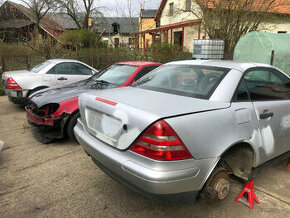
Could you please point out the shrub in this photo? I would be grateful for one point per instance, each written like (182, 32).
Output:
(81, 38)
(164, 52)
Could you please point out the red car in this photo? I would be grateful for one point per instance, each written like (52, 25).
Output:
(53, 112)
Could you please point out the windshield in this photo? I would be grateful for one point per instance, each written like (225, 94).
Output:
(39, 67)
(116, 74)
(186, 80)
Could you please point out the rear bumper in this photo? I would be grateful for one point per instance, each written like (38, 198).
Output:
(154, 179)
(17, 96)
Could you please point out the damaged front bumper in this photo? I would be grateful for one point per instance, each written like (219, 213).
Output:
(52, 127)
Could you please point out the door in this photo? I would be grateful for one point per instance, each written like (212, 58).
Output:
(269, 91)
(116, 42)
(70, 72)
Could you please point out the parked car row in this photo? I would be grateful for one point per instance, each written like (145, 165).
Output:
(171, 132)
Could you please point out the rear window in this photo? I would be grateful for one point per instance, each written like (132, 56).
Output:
(39, 67)
(186, 80)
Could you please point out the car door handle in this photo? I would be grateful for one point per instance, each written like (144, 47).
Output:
(266, 114)
(62, 78)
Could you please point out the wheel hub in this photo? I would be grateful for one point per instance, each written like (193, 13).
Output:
(222, 188)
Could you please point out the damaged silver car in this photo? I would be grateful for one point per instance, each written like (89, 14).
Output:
(186, 126)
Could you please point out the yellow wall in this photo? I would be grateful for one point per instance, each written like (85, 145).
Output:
(146, 24)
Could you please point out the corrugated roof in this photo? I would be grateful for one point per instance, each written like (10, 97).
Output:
(148, 13)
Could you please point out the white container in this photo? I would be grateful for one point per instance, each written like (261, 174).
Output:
(208, 49)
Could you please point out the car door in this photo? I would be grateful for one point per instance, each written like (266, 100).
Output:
(70, 72)
(269, 91)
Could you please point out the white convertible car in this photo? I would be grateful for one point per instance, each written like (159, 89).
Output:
(20, 84)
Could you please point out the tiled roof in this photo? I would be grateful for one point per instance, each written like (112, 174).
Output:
(280, 6)
(148, 13)
(64, 20)
(46, 23)
(14, 23)
(127, 24)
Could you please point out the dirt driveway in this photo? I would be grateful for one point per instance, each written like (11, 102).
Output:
(60, 180)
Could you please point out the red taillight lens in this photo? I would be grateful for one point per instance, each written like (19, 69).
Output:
(11, 84)
(160, 142)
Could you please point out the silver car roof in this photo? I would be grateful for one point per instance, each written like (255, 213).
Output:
(240, 66)
(57, 61)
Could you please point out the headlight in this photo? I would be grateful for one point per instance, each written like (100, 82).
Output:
(48, 109)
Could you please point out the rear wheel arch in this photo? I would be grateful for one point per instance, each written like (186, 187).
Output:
(239, 159)
(69, 125)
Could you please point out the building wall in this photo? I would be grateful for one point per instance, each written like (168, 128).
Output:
(274, 24)
(179, 13)
(123, 40)
(279, 24)
(146, 24)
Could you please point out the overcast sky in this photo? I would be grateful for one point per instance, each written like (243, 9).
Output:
(120, 7)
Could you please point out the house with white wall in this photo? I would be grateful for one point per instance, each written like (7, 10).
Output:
(179, 25)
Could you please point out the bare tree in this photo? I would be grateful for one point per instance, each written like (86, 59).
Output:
(80, 11)
(39, 9)
(231, 19)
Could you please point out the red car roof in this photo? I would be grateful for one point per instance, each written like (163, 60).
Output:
(139, 63)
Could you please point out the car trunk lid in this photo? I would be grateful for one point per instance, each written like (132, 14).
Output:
(119, 116)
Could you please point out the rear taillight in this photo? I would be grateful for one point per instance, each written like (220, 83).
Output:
(11, 84)
(160, 142)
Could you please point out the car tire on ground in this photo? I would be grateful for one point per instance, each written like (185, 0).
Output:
(40, 137)
(71, 124)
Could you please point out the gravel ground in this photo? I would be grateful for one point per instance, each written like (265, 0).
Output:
(60, 180)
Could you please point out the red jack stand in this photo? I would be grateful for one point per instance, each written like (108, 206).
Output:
(251, 195)
(288, 165)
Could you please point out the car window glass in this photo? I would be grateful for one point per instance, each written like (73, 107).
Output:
(64, 69)
(116, 74)
(186, 80)
(144, 71)
(276, 87)
(51, 71)
(259, 75)
(41, 66)
(80, 69)
(241, 93)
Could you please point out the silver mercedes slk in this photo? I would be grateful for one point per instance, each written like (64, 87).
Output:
(184, 127)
